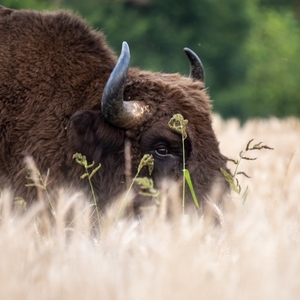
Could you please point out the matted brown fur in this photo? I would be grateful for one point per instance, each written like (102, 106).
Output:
(53, 69)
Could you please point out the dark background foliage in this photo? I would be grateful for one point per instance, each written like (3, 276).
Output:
(250, 49)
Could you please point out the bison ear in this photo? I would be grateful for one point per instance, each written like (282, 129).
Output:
(91, 135)
(82, 123)
(81, 133)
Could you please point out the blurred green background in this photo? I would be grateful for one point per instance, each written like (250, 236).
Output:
(250, 49)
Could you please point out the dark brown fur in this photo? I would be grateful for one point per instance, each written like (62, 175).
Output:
(53, 68)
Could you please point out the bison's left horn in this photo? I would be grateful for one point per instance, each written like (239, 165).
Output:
(196, 67)
(123, 114)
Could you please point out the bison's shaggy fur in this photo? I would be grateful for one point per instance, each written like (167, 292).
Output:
(53, 69)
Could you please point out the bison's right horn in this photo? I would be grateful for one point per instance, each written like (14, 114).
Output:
(196, 67)
(123, 114)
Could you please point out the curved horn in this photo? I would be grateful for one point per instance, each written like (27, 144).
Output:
(123, 114)
(196, 67)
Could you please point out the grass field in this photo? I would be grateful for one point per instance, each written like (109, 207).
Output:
(253, 254)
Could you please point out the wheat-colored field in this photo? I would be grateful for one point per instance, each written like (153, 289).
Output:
(253, 254)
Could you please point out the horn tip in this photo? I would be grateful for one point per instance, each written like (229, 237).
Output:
(189, 52)
(196, 67)
(125, 46)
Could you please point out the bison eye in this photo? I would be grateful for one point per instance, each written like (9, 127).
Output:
(162, 151)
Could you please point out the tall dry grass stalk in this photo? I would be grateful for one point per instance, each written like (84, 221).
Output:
(254, 254)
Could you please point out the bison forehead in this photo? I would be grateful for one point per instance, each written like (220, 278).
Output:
(167, 94)
(158, 87)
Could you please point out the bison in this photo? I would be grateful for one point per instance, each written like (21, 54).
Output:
(64, 91)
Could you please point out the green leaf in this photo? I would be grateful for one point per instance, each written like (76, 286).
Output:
(235, 186)
(245, 195)
(187, 177)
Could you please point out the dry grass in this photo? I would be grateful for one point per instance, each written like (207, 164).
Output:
(254, 255)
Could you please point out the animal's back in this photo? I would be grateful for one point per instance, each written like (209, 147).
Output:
(51, 65)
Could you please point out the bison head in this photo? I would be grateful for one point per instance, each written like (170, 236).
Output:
(138, 105)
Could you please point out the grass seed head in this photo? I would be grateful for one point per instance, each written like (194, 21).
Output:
(179, 124)
(146, 161)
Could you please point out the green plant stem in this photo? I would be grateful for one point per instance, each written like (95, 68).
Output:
(236, 168)
(93, 194)
(238, 162)
(147, 160)
(50, 202)
(42, 186)
(183, 182)
(179, 124)
(121, 210)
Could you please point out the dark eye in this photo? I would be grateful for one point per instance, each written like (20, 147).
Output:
(162, 151)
